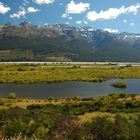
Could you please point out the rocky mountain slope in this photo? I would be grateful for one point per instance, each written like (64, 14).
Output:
(61, 42)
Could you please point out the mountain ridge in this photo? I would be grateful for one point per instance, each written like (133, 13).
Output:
(66, 43)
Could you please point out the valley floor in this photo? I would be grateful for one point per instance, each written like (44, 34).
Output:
(112, 117)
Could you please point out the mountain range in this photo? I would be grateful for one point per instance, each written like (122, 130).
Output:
(61, 42)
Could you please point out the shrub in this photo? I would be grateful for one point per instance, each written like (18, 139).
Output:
(50, 98)
(76, 98)
(137, 123)
(120, 84)
(122, 95)
(65, 128)
(42, 132)
(76, 66)
(100, 129)
(12, 95)
(112, 94)
(21, 69)
(14, 128)
(129, 65)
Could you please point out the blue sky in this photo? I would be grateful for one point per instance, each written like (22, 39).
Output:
(111, 15)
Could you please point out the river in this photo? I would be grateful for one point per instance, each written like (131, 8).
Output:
(69, 89)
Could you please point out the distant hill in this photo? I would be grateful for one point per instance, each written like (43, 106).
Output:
(61, 42)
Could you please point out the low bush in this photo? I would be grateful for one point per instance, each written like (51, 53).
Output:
(120, 84)
(12, 95)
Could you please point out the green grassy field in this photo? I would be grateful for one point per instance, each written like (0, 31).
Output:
(29, 73)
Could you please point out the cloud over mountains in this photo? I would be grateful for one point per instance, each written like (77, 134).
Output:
(3, 8)
(106, 15)
(112, 13)
(75, 8)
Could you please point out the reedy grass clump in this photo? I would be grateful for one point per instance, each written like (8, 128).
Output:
(119, 84)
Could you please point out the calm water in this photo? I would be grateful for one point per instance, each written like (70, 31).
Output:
(68, 89)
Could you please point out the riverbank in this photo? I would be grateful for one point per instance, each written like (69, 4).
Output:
(76, 63)
(6, 102)
(43, 73)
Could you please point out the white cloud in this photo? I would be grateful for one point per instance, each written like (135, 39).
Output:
(22, 12)
(25, 2)
(69, 17)
(3, 8)
(43, 1)
(64, 15)
(111, 30)
(19, 14)
(67, 23)
(81, 22)
(112, 13)
(32, 10)
(75, 8)
(45, 24)
(132, 24)
(78, 22)
(85, 22)
(133, 9)
(125, 21)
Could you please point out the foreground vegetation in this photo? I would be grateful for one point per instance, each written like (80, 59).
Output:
(113, 117)
(30, 73)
